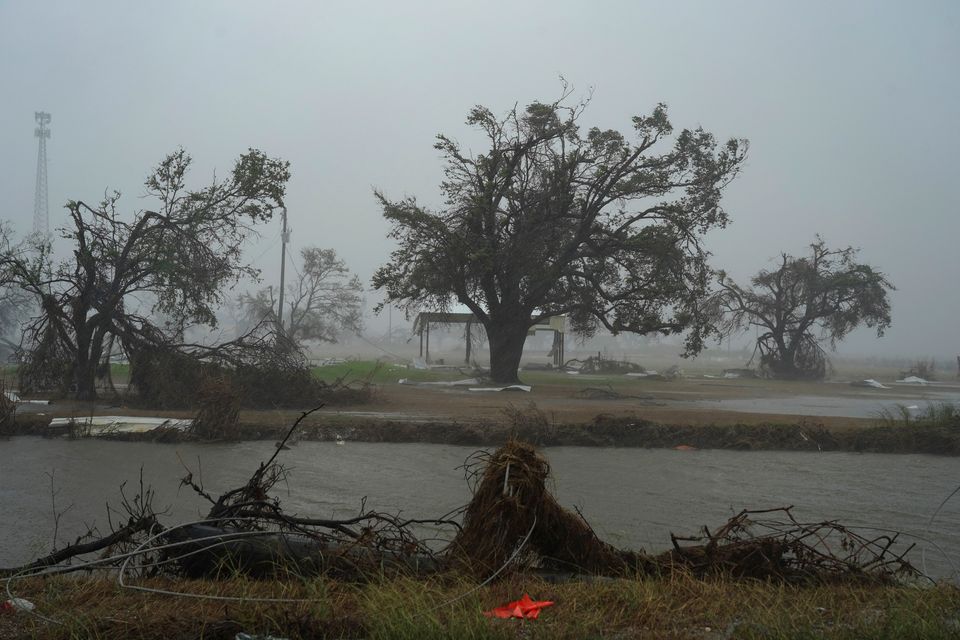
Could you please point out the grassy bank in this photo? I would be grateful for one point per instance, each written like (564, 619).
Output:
(449, 607)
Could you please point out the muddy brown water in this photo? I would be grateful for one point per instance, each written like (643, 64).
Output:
(632, 497)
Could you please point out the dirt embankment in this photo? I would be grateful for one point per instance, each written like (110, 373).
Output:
(629, 432)
(603, 431)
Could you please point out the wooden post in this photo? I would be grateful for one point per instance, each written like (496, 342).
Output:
(428, 343)
(467, 358)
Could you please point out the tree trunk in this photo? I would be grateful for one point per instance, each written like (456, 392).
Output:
(90, 348)
(506, 348)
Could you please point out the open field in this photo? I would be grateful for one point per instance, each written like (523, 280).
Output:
(417, 404)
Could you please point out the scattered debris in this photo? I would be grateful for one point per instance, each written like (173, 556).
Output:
(869, 382)
(602, 365)
(440, 383)
(17, 604)
(913, 380)
(537, 366)
(526, 608)
(513, 387)
(784, 549)
(102, 425)
(608, 393)
(740, 373)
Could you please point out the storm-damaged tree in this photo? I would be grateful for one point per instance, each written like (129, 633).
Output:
(322, 302)
(804, 302)
(14, 307)
(14, 303)
(552, 220)
(172, 262)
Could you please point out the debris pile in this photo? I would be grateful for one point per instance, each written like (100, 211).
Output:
(512, 523)
(601, 365)
(772, 545)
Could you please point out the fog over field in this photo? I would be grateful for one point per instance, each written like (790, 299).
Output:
(851, 110)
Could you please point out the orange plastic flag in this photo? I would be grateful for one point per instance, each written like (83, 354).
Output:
(524, 608)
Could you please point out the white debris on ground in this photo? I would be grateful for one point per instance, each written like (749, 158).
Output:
(869, 382)
(913, 380)
(12, 396)
(440, 383)
(99, 425)
(512, 387)
(643, 374)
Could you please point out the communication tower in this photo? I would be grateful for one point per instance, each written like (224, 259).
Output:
(41, 210)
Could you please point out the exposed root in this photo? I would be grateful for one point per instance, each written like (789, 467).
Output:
(509, 500)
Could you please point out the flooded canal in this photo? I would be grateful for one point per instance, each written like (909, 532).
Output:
(632, 497)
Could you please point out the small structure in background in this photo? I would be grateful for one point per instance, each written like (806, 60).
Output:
(423, 321)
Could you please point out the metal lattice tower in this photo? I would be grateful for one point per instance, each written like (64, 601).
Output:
(41, 209)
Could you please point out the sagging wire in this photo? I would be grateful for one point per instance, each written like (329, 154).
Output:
(220, 539)
(476, 588)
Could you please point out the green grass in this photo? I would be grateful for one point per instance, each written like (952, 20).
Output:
(451, 607)
(936, 414)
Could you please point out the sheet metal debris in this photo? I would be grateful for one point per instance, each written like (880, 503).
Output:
(99, 425)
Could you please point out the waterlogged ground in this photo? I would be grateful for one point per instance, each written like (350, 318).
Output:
(632, 497)
(695, 400)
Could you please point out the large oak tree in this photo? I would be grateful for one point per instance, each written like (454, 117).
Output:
(550, 219)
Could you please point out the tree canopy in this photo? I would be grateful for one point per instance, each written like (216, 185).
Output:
(173, 261)
(322, 301)
(803, 302)
(554, 220)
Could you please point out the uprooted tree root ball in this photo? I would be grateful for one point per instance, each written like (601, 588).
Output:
(512, 512)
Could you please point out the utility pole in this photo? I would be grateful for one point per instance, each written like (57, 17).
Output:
(284, 239)
(41, 209)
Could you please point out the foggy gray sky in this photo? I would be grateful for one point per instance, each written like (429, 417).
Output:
(851, 109)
